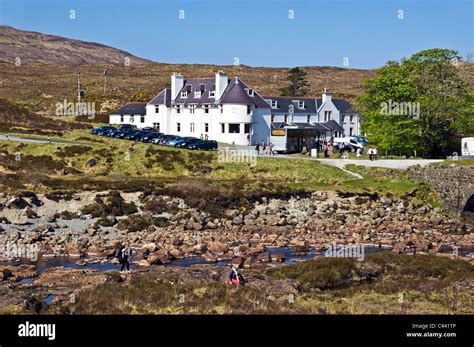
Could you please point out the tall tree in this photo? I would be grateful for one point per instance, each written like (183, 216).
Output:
(298, 85)
(429, 80)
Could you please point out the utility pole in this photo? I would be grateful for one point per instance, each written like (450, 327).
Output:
(78, 87)
(105, 80)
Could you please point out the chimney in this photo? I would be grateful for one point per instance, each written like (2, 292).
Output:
(177, 82)
(326, 96)
(222, 79)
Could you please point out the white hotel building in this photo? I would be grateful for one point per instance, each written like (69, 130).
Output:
(229, 111)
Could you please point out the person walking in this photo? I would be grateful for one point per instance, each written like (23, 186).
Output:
(125, 254)
(257, 148)
(271, 148)
(234, 277)
(264, 147)
(370, 153)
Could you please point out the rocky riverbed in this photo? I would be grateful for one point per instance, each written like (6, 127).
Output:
(163, 228)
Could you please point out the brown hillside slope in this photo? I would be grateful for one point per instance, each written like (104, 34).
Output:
(33, 47)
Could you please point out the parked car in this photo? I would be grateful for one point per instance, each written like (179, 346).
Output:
(150, 136)
(172, 141)
(347, 143)
(185, 141)
(123, 132)
(111, 132)
(206, 145)
(100, 129)
(134, 136)
(127, 126)
(161, 139)
(150, 129)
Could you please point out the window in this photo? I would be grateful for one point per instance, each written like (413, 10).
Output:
(212, 94)
(191, 127)
(250, 92)
(132, 118)
(191, 108)
(156, 126)
(157, 109)
(206, 108)
(308, 119)
(184, 94)
(285, 118)
(142, 118)
(272, 118)
(197, 94)
(121, 118)
(300, 104)
(223, 128)
(178, 109)
(327, 115)
(351, 131)
(249, 109)
(178, 127)
(206, 127)
(351, 119)
(221, 107)
(234, 128)
(274, 104)
(343, 119)
(247, 128)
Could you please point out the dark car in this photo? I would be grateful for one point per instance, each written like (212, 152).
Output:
(123, 132)
(186, 141)
(100, 129)
(111, 132)
(150, 136)
(127, 126)
(134, 136)
(150, 129)
(205, 145)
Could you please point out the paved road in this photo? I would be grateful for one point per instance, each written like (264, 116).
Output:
(400, 164)
(21, 139)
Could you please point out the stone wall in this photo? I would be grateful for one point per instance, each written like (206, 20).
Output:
(454, 184)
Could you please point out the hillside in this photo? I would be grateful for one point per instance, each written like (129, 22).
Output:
(16, 119)
(27, 84)
(32, 47)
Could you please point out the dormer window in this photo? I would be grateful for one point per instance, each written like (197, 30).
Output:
(197, 94)
(300, 104)
(250, 92)
(274, 104)
(212, 94)
(184, 94)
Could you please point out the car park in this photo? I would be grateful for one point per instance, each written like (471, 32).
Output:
(206, 145)
(151, 135)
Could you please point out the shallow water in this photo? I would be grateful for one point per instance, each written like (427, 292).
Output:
(291, 257)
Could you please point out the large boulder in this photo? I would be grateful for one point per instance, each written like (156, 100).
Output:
(216, 247)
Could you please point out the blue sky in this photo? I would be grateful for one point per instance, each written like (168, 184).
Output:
(259, 33)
